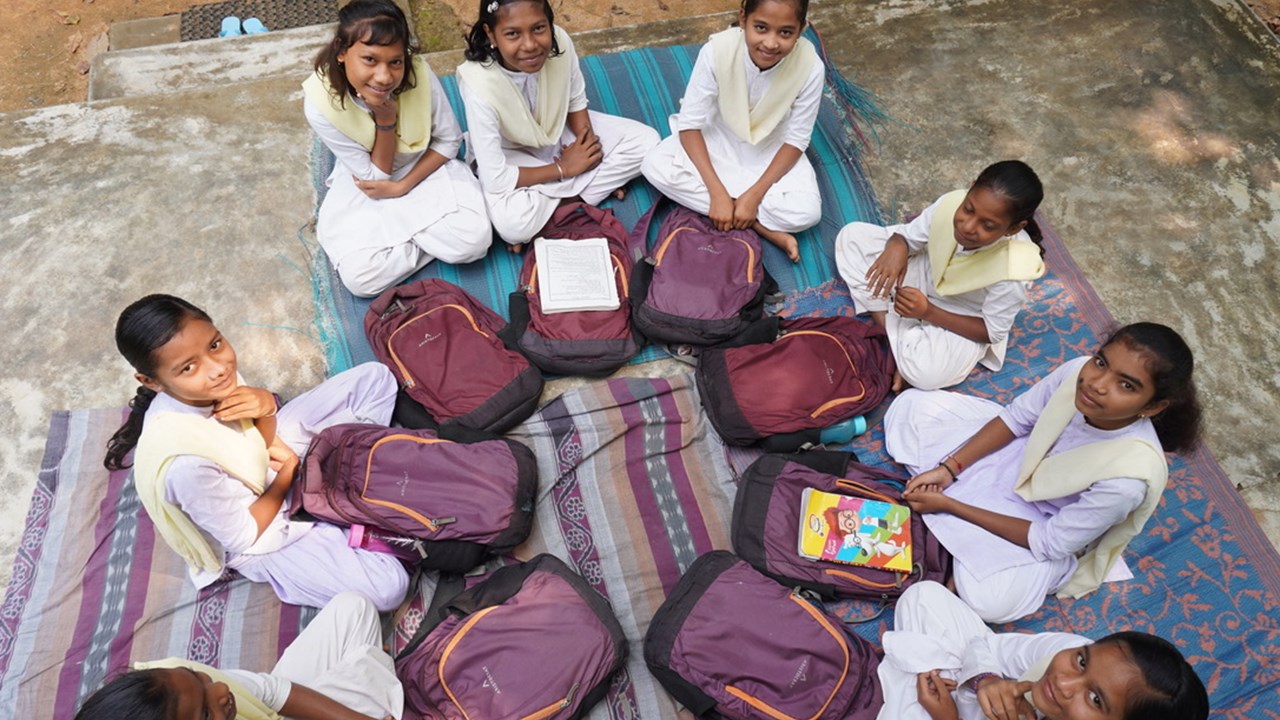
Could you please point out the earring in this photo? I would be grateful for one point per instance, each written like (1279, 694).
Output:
(1142, 415)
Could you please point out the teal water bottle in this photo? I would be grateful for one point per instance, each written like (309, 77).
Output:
(843, 431)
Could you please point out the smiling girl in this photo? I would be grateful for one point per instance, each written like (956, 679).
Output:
(942, 663)
(948, 285)
(534, 141)
(216, 459)
(737, 149)
(398, 198)
(1047, 493)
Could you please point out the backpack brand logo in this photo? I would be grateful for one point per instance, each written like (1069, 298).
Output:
(403, 483)
(708, 248)
(801, 673)
(428, 338)
(492, 684)
(831, 373)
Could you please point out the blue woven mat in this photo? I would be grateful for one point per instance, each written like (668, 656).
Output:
(646, 85)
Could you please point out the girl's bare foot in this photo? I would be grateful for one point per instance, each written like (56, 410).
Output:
(517, 249)
(620, 193)
(784, 240)
(899, 383)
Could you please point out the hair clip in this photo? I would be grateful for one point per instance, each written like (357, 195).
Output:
(492, 7)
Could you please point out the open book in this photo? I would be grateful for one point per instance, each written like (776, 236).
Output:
(855, 531)
(575, 275)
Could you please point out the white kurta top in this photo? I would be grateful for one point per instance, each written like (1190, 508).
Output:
(398, 218)
(997, 304)
(1060, 528)
(218, 503)
(935, 630)
(498, 160)
(735, 159)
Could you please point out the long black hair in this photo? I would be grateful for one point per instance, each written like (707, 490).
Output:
(373, 22)
(137, 695)
(1171, 365)
(801, 8)
(1020, 187)
(1173, 690)
(480, 50)
(144, 327)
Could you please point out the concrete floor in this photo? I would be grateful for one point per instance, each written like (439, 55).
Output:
(1153, 126)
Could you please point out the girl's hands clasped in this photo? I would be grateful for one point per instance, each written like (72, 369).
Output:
(928, 499)
(581, 155)
(937, 478)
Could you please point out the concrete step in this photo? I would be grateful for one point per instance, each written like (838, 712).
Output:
(183, 66)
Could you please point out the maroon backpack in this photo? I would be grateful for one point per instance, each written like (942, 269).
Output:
(532, 640)
(449, 502)
(731, 643)
(588, 342)
(697, 285)
(454, 370)
(782, 381)
(766, 526)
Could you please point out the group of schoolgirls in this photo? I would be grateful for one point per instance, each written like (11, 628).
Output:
(1042, 496)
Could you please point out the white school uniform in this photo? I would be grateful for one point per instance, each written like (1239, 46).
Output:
(934, 630)
(1003, 581)
(793, 203)
(307, 563)
(519, 213)
(375, 244)
(339, 655)
(929, 357)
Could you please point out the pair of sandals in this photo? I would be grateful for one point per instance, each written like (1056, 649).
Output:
(231, 27)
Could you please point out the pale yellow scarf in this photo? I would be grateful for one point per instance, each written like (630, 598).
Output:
(1073, 471)
(248, 706)
(1009, 258)
(242, 453)
(413, 126)
(754, 124)
(516, 122)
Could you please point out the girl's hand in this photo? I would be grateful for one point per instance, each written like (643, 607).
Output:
(889, 270)
(384, 113)
(245, 402)
(281, 455)
(722, 211)
(928, 500)
(936, 479)
(582, 154)
(381, 189)
(934, 694)
(745, 209)
(911, 303)
(1002, 699)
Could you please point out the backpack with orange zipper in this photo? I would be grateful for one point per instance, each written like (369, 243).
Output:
(782, 381)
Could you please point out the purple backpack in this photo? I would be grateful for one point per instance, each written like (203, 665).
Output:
(454, 370)
(532, 640)
(697, 285)
(784, 380)
(731, 643)
(588, 342)
(766, 526)
(448, 503)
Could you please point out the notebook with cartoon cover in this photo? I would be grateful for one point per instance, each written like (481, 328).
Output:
(855, 531)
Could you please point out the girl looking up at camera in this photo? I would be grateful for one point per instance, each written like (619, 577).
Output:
(948, 285)
(1045, 494)
(737, 149)
(535, 143)
(398, 198)
(216, 459)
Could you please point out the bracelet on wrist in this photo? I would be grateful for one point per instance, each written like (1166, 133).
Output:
(386, 128)
(973, 682)
(946, 467)
(559, 168)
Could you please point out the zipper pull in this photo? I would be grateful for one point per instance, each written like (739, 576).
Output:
(568, 699)
(650, 259)
(441, 522)
(395, 306)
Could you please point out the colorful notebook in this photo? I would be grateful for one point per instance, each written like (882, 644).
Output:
(855, 531)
